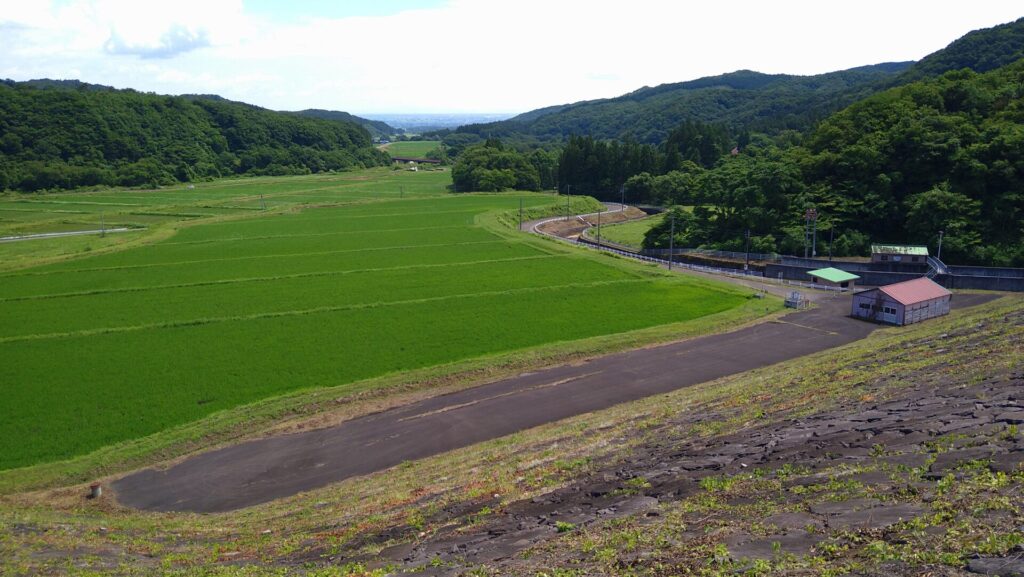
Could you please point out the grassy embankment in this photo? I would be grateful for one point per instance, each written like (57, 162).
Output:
(411, 148)
(630, 233)
(306, 534)
(177, 344)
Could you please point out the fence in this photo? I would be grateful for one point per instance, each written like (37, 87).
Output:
(632, 253)
(726, 254)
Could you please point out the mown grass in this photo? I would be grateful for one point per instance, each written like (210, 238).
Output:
(308, 532)
(230, 312)
(629, 233)
(412, 148)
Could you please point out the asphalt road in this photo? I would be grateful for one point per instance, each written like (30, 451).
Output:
(266, 469)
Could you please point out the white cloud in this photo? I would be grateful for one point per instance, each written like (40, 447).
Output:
(466, 55)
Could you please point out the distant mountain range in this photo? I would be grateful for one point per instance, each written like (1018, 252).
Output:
(748, 100)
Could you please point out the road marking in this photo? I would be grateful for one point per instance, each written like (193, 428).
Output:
(491, 398)
(781, 322)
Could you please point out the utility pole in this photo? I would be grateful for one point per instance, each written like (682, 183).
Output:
(622, 197)
(599, 227)
(814, 237)
(810, 215)
(938, 255)
(746, 266)
(807, 230)
(103, 225)
(568, 195)
(831, 238)
(671, 241)
(263, 204)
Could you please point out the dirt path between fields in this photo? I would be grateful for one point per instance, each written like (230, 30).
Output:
(266, 469)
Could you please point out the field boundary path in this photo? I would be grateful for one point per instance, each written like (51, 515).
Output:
(60, 234)
(262, 470)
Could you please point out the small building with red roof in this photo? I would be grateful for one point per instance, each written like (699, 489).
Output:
(902, 303)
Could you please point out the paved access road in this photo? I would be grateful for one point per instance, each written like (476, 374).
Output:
(263, 470)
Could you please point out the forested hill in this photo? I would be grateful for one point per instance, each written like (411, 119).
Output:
(980, 50)
(742, 99)
(376, 128)
(69, 134)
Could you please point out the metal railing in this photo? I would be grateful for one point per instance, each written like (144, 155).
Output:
(728, 254)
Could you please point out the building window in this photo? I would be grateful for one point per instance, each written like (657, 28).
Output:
(865, 306)
(890, 311)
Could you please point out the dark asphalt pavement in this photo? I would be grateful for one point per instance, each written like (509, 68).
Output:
(258, 471)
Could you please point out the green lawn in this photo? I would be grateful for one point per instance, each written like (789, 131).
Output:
(412, 148)
(102, 348)
(629, 233)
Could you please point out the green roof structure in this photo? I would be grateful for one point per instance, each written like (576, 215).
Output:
(833, 275)
(909, 250)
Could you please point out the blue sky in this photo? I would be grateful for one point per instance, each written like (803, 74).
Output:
(418, 56)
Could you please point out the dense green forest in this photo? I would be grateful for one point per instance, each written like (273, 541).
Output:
(61, 135)
(492, 166)
(945, 154)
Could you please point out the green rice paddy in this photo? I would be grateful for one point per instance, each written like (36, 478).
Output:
(345, 281)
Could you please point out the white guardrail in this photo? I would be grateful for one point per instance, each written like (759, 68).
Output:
(736, 273)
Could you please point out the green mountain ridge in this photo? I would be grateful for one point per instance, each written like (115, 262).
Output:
(741, 99)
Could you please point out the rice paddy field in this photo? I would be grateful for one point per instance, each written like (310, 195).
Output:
(220, 302)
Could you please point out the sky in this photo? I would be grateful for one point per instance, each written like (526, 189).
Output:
(444, 56)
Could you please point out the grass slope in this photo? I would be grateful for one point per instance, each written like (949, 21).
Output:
(629, 233)
(411, 148)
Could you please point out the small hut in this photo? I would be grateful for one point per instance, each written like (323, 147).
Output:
(834, 278)
(902, 303)
(899, 253)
